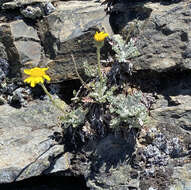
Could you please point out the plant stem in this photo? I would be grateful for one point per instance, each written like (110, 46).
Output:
(51, 98)
(99, 64)
(76, 69)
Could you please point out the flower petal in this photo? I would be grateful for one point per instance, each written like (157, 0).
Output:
(46, 77)
(44, 69)
(41, 80)
(27, 80)
(33, 83)
(27, 71)
(37, 79)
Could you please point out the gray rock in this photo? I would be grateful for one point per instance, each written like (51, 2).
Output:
(20, 3)
(164, 34)
(173, 105)
(19, 96)
(176, 115)
(28, 51)
(107, 165)
(4, 68)
(26, 41)
(25, 144)
(3, 53)
(181, 178)
(32, 12)
(69, 30)
(20, 30)
(62, 164)
(22, 44)
(49, 8)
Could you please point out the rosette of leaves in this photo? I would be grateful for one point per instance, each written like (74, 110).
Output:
(127, 110)
(123, 50)
(100, 92)
(74, 118)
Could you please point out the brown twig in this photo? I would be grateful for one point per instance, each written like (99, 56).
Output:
(80, 78)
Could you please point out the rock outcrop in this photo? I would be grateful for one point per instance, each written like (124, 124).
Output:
(50, 42)
(45, 33)
(27, 140)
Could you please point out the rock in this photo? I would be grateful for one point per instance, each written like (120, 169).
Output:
(7, 41)
(106, 166)
(32, 9)
(4, 68)
(22, 44)
(49, 8)
(69, 30)
(182, 177)
(32, 12)
(20, 30)
(21, 3)
(158, 156)
(164, 37)
(38, 10)
(170, 142)
(19, 97)
(26, 145)
(62, 164)
(3, 53)
(29, 51)
(173, 105)
(176, 115)
(26, 41)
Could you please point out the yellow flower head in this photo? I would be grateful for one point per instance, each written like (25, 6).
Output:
(99, 37)
(37, 75)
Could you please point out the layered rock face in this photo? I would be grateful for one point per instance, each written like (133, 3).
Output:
(68, 29)
(46, 33)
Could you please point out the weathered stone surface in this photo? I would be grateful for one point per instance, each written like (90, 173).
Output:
(65, 31)
(3, 53)
(29, 51)
(38, 10)
(144, 162)
(21, 3)
(21, 43)
(20, 30)
(107, 164)
(32, 12)
(176, 115)
(62, 164)
(173, 104)
(68, 30)
(26, 42)
(182, 177)
(164, 41)
(25, 144)
(32, 9)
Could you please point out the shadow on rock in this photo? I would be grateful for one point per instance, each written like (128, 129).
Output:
(112, 150)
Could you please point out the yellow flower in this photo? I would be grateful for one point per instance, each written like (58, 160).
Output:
(37, 75)
(99, 37)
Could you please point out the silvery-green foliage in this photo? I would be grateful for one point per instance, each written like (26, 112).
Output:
(100, 93)
(128, 109)
(90, 70)
(124, 51)
(74, 118)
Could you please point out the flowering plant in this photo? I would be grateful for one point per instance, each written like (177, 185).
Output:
(37, 75)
